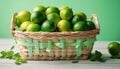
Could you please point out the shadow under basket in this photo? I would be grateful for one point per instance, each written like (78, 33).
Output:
(55, 45)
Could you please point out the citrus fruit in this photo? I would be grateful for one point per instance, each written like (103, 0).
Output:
(91, 25)
(22, 16)
(24, 25)
(75, 19)
(37, 17)
(54, 17)
(64, 25)
(80, 26)
(66, 14)
(82, 16)
(39, 8)
(52, 9)
(114, 48)
(64, 7)
(48, 26)
(33, 27)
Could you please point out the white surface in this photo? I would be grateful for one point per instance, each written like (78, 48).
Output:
(101, 46)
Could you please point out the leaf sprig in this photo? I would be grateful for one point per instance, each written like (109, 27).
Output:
(97, 56)
(12, 55)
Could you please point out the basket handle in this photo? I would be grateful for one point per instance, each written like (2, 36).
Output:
(94, 16)
(12, 28)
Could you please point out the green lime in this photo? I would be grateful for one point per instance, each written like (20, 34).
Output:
(39, 8)
(91, 25)
(37, 17)
(48, 26)
(24, 25)
(33, 27)
(80, 26)
(64, 7)
(66, 14)
(52, 9)
(64, 25)
(114, 48)
(75, 19)
(22, 16)
(54, 17)
(82, 16)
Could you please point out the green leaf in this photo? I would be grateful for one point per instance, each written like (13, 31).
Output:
(97, 56)
(17, 62)
(11, 48)
(102, 60)
(93, 57)
(17, 55)
(10, 54)
(75, 61)
(23, 61)
(3, 54)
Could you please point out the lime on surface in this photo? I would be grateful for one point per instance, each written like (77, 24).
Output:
(24, 25)
(54, 17)
(48, 26)
(91, 25)
(37, 17)
(64, 25)
(33, 27)
(52, 9)
(80, 26)
(66, 14)
(22, 16)
(114, 48)
(82, 16)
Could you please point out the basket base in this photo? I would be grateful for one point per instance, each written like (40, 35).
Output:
(82, 57)
(66, 53)
(46, 56)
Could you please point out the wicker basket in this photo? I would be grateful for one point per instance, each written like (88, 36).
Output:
(55, 45)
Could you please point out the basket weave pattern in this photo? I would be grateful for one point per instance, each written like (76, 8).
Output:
(55, 45)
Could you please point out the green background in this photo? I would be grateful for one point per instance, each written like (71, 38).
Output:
(108, 12)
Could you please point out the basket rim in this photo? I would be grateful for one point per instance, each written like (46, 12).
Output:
(71, 32)
(57, 34)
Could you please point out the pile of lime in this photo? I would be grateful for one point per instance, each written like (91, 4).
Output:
(52, 19)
